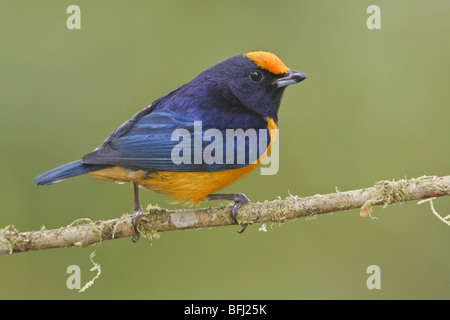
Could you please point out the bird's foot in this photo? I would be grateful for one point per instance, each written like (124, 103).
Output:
(239, 200)
(137, 212)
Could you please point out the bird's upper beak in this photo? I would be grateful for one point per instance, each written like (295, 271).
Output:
(292, 77)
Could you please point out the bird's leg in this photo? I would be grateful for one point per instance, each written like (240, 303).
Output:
(137, 211)
(238, 198)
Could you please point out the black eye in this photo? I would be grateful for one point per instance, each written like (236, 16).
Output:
(256, 76)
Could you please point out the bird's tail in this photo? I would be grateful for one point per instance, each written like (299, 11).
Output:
(67, 170)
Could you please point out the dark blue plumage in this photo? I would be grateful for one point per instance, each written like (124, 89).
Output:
(68, 170)
(144, 142)
(240, 93)
(221, 97)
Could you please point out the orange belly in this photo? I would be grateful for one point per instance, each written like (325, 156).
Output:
(192, 187)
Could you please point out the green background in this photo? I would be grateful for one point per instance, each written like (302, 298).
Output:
(375, 107)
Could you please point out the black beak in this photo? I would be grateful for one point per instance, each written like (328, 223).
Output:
(291, 78)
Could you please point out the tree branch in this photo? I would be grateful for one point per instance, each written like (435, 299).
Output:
(158, 220)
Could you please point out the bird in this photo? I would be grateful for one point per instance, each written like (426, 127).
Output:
(166, 147)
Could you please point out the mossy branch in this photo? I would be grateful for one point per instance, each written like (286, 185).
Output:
(158, 220)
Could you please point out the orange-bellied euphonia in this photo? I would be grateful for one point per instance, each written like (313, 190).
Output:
(242, 92)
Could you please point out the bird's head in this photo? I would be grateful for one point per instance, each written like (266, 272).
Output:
(256, 80)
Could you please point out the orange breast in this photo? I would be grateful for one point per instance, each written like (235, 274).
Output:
(192, 187)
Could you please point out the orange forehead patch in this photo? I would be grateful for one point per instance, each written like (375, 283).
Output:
(267, 61)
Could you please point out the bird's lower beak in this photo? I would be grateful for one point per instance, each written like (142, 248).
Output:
(291, 78)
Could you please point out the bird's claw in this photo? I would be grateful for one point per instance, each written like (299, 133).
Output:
(239, 200)
(137, 212)
(235, 209)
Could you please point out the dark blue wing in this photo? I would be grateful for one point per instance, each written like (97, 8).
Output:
(161, 140)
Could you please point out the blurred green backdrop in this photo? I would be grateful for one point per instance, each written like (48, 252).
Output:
(375, 107)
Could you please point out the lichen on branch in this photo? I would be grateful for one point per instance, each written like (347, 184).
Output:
(156, 219)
